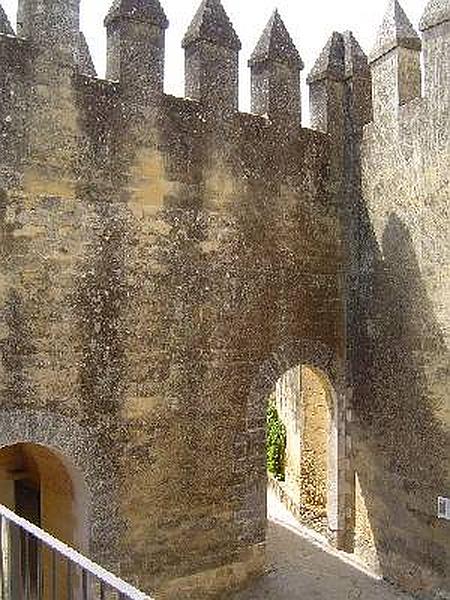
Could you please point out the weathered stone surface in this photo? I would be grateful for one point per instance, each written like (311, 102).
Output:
(436, 12)
(5, 25)
(276, 45)
(164, 261)
(395, 31)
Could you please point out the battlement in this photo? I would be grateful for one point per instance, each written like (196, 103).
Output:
(396, 60)
(136, 49)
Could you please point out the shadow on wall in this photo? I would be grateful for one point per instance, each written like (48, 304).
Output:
(401, 442)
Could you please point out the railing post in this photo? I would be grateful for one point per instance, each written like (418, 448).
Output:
(54, 577)
(15, 563)
(69, 581)
(2, 579)
(2, 576)
(5, 559)
(26, 564)
(84, 585)
(40, 574)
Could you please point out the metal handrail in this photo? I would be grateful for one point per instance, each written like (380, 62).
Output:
(74, 559)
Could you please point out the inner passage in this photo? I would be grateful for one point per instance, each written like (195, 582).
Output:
(298, 442)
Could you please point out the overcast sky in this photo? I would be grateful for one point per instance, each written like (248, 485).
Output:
(310, 23)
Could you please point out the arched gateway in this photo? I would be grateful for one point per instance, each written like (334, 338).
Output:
(314, 378)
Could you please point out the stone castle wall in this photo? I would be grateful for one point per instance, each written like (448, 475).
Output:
(165, 261)
(150, 253)
(402, 442)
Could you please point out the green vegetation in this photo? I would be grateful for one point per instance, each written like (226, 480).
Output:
(276, 442)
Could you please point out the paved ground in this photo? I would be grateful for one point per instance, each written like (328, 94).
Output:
(302, 567)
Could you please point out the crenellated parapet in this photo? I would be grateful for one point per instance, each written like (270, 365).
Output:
(136, 51)
(396, 61)
(347, 90)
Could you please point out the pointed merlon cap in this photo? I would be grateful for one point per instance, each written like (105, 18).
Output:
(436, 13)
(149, 11)
(276, 45)
(5, 25)
(331, 62)
(356, 60)
(396, 31)
(84, 58)
(211, 24)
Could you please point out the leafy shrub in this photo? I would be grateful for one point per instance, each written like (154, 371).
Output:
(276, 442)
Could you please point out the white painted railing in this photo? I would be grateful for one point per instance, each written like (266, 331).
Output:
(36, 566)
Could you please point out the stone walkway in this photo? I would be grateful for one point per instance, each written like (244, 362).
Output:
(302, 567)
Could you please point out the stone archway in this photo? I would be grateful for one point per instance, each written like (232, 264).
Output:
(41, 486)
(44, 488)
(92, 477)
(323, 359)
(307, 407)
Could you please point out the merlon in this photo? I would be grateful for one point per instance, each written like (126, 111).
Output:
(140, 10)
(436, 13)
(276, 45)
(331, 62)
(84, 58)
(5, 25)
(212, 24)
(356, 60)
(396, 31)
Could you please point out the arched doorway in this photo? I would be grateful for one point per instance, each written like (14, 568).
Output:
(39, 485)
(306, 405)
(251, 466)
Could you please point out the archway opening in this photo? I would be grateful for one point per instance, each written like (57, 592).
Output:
(40, 486)
(307, 480)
